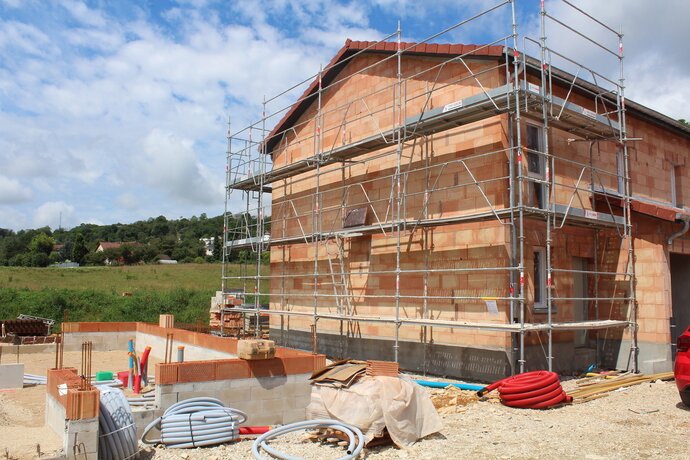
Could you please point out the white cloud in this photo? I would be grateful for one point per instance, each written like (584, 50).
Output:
(82, 13)
(123, 109)
(170, 164)
(17, 36)
(12, 218)
(52, 213)
(128, 200)
(655, 34)
(12, 191)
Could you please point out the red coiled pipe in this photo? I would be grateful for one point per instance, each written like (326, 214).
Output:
(530, 390)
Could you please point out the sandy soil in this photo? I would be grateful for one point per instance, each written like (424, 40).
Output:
(22, 412)
(643, 421)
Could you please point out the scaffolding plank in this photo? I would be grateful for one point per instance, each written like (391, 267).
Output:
(500, 327)
(590, 325)
(574, 215)
(574, 118)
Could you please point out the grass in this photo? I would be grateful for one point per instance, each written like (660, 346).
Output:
(96, 293)
(117, 279)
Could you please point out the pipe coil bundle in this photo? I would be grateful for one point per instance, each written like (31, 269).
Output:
(530, 390)
(356, 439)
(117, 439)
(196, 422)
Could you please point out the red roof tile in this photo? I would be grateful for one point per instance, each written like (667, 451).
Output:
(116, 244)
(353, 47)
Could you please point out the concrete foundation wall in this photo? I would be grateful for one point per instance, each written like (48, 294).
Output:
(479, 364)
(102, 341)
(55, 416)
(79, 437)
(191, 352)
(266, 400)
(652, 358)
(11, 350)
(142, 417)
(118, 340)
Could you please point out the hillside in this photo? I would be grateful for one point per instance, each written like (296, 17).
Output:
(149, 240)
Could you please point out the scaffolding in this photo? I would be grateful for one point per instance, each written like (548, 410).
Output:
(352, 166)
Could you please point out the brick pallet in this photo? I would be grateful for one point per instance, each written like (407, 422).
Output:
(382, 368)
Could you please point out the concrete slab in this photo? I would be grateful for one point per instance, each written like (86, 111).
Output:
(11, 376)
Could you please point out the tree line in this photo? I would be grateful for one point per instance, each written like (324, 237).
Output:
(144, 241)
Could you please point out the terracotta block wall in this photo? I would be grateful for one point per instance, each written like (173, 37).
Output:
(286, 362)
(79, 404)
(567, 244)
(453, 251)
(361, 103)
(437, 162)
(653, 160)
(653, 277)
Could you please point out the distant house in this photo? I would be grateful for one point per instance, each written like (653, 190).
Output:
(208, 244)
(103, 245)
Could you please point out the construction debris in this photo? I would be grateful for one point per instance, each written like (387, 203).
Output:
(594, 387)
(340, 374)
(451, 400)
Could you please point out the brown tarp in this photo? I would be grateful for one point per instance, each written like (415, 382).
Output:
(375, 403)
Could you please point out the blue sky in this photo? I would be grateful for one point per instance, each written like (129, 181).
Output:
(117, 111)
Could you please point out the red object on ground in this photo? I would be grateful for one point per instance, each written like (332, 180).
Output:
(137, 384)
(144, 363)
(248, 430)
(681, 368)
(123, 376)
(530, 390)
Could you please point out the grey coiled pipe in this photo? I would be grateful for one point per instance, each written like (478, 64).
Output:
(354, 434)
(196, 422)
(117, 439)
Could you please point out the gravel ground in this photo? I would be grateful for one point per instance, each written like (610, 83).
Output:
(643, 421)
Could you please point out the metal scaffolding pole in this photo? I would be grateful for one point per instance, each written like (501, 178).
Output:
(399, 126)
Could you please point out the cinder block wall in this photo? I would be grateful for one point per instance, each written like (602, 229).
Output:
(272, 391)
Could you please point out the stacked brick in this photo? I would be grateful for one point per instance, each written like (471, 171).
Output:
(232, 323)
(382, 368)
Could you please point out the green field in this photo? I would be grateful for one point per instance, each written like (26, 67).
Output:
(96, 293)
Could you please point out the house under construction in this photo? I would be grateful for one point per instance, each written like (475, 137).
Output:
(466, 210)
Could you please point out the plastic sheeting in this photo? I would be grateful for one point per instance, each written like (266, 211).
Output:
(375, 403)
